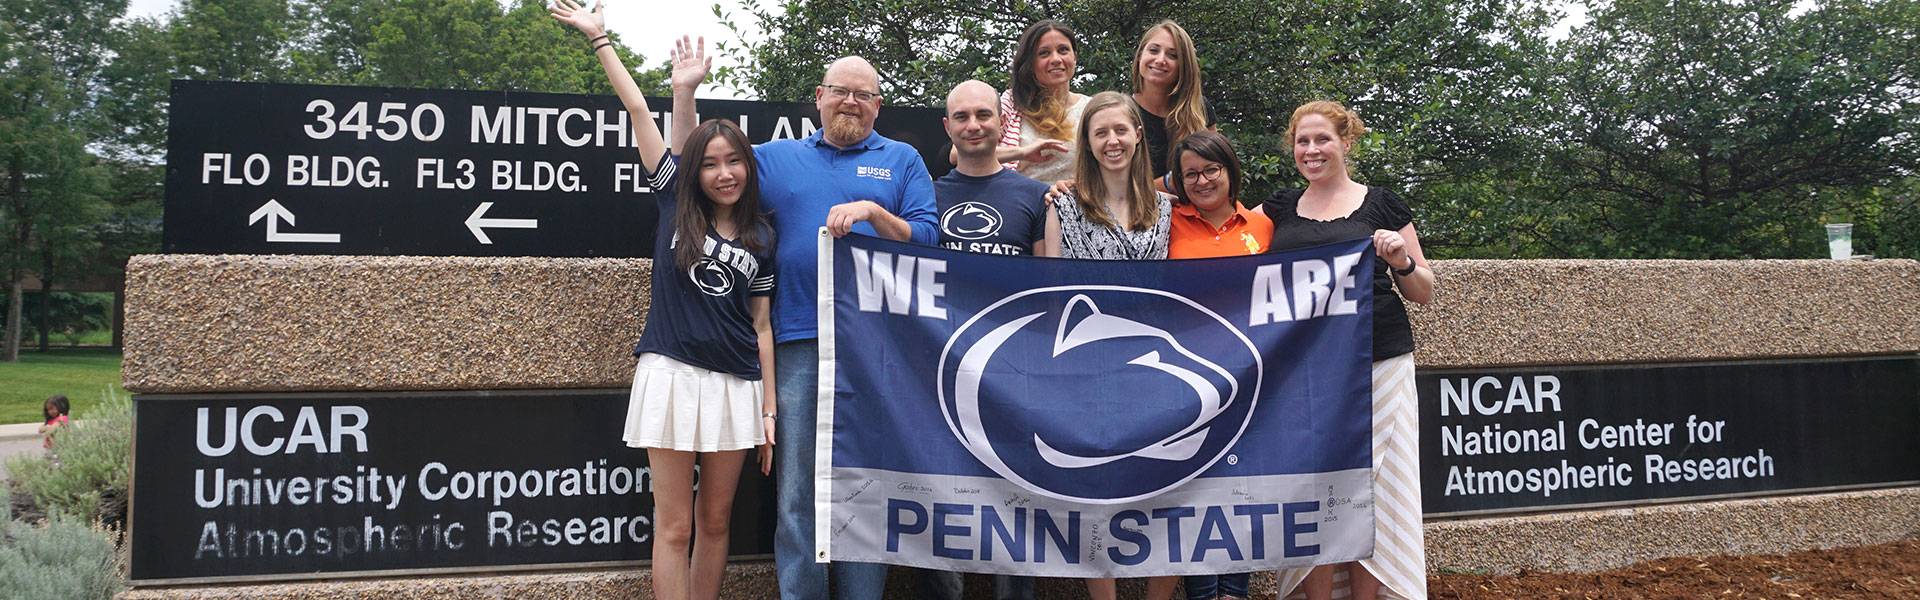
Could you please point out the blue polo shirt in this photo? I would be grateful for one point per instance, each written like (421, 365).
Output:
(800, 180)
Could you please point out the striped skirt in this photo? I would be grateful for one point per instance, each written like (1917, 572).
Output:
(1399, 543)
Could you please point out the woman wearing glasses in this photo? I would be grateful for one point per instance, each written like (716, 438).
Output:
(1208, 219)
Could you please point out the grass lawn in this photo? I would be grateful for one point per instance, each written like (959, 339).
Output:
(83, 374)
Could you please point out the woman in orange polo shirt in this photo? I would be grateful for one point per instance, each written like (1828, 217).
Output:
(1209, 219)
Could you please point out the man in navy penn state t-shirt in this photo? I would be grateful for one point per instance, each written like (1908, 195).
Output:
(991, 209)
(985, 207)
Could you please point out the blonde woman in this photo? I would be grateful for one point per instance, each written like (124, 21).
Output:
(1166, 84)
(1112, 214)
(1335, 208)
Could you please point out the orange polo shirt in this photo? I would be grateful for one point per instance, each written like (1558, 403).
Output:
(1191, 236)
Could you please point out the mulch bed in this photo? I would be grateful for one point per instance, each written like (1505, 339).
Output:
(1886, 571)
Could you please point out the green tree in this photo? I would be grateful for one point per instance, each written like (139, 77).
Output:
(231, 40)
(457, 44)
(1710, 129)
(50, 55)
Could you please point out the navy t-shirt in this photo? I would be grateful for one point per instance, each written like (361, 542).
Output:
(1002, 213)
(699, 316)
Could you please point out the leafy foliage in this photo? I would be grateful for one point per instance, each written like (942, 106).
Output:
(68, 314)
(53, 186)
(454, 44)
(1708, 129)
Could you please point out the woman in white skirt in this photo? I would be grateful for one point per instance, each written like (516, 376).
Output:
(699, 388)
(1335, 208)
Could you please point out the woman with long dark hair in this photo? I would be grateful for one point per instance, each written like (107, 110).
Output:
(1039, 109)
(703, 370)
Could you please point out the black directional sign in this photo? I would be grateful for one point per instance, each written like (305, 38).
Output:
(1520, 439)
(303, 169)
(299, 485)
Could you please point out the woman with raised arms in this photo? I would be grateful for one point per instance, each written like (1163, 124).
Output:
(700, 384)
(1335, 208)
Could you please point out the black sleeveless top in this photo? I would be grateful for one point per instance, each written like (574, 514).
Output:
(1382, 209)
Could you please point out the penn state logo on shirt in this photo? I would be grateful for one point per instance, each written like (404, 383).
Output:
(1099, 351)
(711, 277)
(970, 221)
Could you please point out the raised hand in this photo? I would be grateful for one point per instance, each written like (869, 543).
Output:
(690, 63)
(1042, 150)
(588, 21)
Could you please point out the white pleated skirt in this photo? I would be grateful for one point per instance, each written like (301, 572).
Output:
(1399, 541)
(677, 406)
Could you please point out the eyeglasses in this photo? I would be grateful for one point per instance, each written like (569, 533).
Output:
(840, 93)
(1211, 173)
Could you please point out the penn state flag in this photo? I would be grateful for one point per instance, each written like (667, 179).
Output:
(1078, 418)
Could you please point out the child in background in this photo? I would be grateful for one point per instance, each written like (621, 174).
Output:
(56, 410)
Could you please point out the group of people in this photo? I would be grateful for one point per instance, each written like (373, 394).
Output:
(729, 359)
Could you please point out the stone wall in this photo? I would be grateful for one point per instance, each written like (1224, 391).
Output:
(314, 323)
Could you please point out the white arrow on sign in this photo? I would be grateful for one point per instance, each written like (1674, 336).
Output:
(474, 223)
(273, 212)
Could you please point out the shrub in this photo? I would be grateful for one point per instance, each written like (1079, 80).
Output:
(58, 559)
(88, 482)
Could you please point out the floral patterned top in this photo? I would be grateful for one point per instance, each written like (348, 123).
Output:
(1080, 238)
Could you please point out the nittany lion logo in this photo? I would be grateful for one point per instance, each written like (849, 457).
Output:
(970, 221)
(1100, 394)
(711, 276)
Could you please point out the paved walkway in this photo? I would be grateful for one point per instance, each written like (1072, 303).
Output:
(23, 438)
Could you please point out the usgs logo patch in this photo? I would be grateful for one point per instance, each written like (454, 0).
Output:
(1092, 356)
